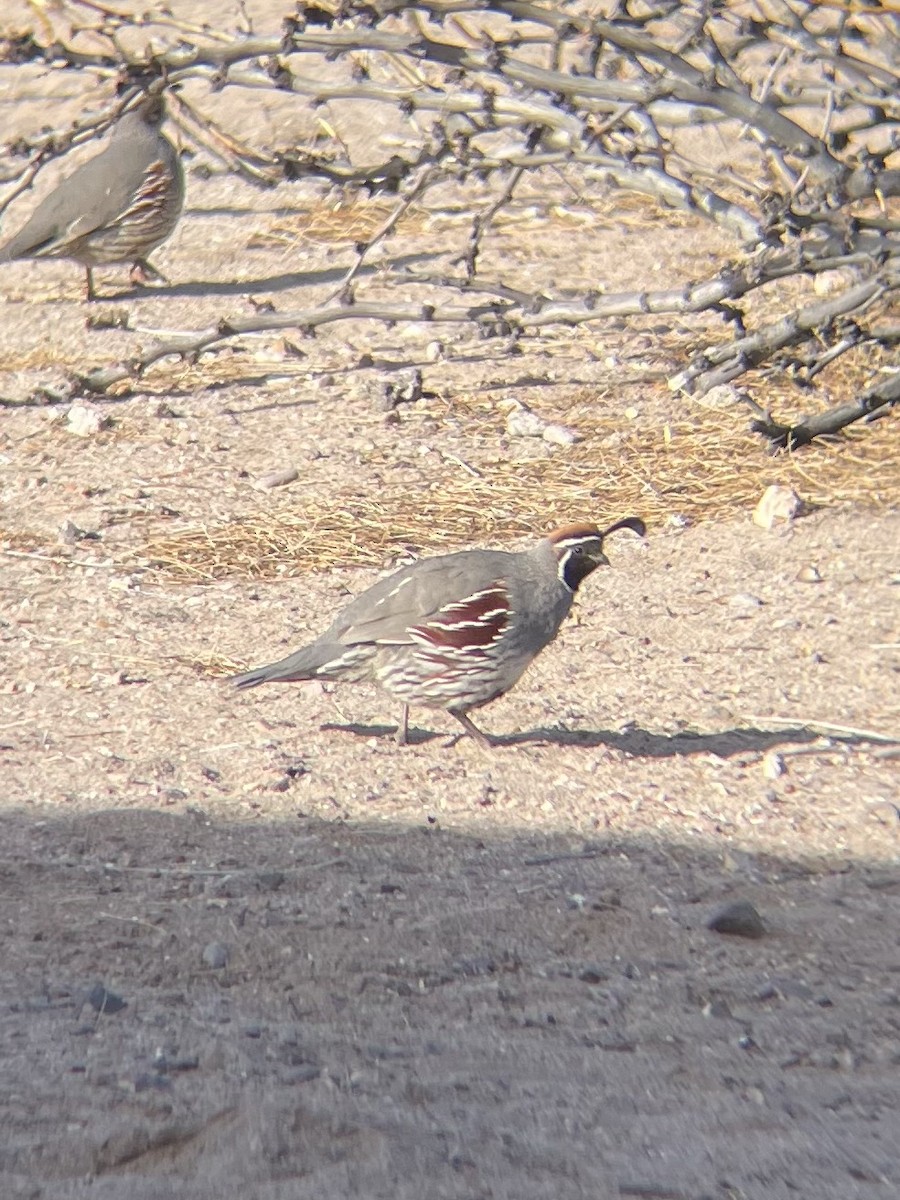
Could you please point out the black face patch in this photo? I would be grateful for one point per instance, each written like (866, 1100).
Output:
(579, 560)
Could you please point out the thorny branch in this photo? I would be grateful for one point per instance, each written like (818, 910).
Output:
(506, 92)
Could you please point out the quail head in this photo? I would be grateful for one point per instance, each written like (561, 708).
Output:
(117, 207)
(456, 631)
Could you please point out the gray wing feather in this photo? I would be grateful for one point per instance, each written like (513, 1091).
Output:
(387, 610)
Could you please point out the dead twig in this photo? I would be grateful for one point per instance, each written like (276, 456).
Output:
(828, 727)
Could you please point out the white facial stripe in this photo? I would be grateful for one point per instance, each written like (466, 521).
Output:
(563, 563)
(571, 543)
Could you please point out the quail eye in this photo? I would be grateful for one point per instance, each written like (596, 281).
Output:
(578, 551)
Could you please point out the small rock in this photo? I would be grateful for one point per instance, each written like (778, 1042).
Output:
(406, 390)
(745, 602)
(434, 351)
(723, 395)
(593, 975)
(85, 420)
(780, 987)
(103, 1001)
(809, 574)
(739, 920)
(269, 881)
(776, 504)
(215, 955)
(521, 421)
(718, 1009)
(110, 318)
(274, 479)
(678, 521)
(773, 765)
(69, 533)
(560, 435)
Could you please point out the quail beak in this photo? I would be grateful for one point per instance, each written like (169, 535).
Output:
(599, 559)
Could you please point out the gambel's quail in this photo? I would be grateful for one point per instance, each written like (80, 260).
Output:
(117, 207)
(453, 632)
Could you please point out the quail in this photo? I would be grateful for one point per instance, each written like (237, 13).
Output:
(456, 631)
(117, 207)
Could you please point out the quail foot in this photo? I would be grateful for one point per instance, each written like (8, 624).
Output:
(456, 631)
(117, 207)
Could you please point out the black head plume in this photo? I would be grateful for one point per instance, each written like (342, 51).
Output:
(635, 524)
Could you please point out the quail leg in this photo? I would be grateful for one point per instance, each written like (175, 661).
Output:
(403, 727)
(144, 273)
(473, 731)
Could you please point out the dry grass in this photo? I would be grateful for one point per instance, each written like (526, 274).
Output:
(703, 468)
(358, 218)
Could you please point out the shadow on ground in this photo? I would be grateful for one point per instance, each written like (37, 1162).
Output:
(635, 742)
(334, 1010)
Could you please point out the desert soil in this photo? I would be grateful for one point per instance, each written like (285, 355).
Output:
(351, 969)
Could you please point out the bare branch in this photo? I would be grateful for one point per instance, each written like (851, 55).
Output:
(874, 401)
(723, 364)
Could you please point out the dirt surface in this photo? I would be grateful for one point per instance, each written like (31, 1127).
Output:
(357, 970)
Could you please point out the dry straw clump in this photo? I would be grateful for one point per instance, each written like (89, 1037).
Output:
(697, 469)
(353, 221)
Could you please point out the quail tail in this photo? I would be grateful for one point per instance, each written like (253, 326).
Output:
(305, 664)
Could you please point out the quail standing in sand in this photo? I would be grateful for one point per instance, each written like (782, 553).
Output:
(117, 207)
(453, 632)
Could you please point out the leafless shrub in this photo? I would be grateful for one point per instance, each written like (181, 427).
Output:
(803, 95)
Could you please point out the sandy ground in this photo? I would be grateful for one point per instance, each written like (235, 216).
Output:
(352, 969)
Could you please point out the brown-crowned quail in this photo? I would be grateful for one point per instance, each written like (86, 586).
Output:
(117, 207)
(456, 631)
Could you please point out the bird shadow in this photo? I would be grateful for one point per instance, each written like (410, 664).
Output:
(268, 283)
(416, 737)
(633, 741)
